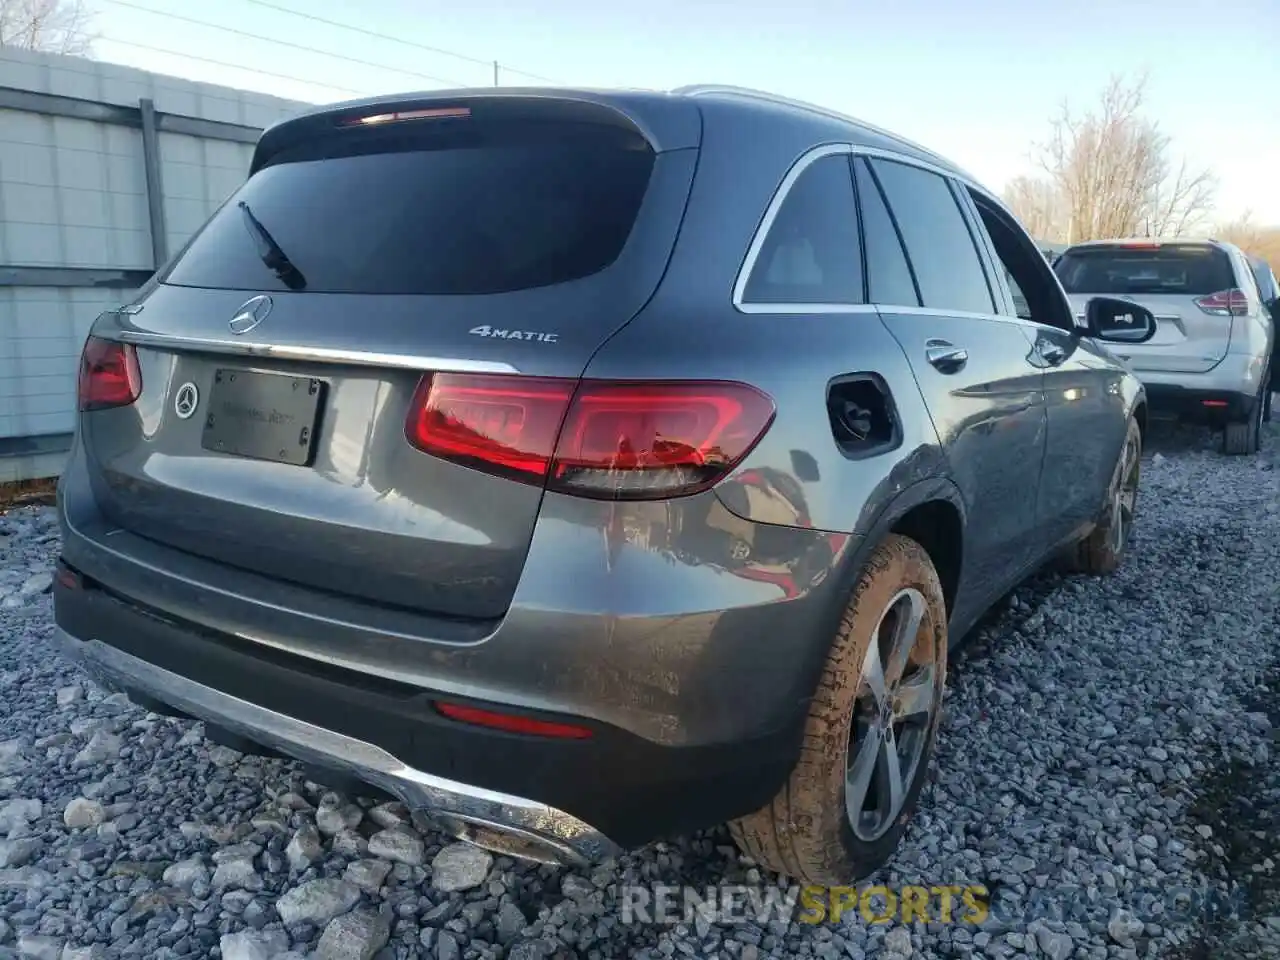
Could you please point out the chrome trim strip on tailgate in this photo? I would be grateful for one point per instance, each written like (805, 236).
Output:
(575, 842)
(362, 358)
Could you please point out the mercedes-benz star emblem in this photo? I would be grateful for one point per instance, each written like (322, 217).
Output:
(186, 400)
(251, 314)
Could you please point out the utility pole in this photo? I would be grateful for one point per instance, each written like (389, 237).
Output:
(495, 73)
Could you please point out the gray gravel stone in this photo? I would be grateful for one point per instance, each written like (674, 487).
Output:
(254, 945)
(399, 844)
(336, 814)
(354, 936)
(317, 901)
(18, 852)
(39, 947)
(81, 813)
(460, 866)
(368, 875)
(447, 947)
(305, 848)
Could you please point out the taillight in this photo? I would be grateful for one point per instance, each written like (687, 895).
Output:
(615, 440)
(503, 424)
(1225, 303)
(109, 375)
(626, 441)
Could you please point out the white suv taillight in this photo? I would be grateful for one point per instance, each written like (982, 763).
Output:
(1225, 303)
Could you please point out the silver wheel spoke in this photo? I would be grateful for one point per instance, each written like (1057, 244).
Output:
(905, 632)
(873, 673)
(858, 779)
(914, 701)
(890, 787)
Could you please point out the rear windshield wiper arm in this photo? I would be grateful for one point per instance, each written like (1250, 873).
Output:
(272, 253)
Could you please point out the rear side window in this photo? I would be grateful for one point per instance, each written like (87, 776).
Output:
(467, 209)
(1266, 280)
(888, 274)
(947, 266)
(1194, 270)
(810, 254)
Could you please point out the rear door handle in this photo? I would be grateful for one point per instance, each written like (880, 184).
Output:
(945, 356)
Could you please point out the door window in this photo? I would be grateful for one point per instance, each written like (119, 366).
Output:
(948, 269)
(1036, 295)
(889, 279)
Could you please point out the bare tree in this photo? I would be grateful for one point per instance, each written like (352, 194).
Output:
(1258, 240)
(1110, 172)
(1038, 204)
(55, 26)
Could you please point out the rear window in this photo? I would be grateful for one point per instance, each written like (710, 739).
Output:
(453, 207)
(1179, 270)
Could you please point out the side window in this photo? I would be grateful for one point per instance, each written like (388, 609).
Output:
(888, 273)
(1248, 282)
(1020, 305)
(1036, 295)
(811, 253)
(946, 263)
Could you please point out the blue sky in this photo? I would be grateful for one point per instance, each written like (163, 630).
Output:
(976, 80)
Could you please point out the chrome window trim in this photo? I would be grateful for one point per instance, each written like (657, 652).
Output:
(328, 355)
(779, 197)
(805, 161)
(961, 315)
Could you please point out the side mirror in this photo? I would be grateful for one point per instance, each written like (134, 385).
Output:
(1118, 321)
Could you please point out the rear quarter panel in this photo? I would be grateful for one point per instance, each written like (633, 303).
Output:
(690, 329)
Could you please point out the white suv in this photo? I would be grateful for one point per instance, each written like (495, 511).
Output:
(1210, 359)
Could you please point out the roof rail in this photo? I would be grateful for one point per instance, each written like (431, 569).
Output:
(748, 93)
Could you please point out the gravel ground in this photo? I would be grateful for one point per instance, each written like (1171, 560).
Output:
(1106, 742)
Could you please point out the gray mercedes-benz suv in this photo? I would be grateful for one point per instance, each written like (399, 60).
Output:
(588, 467)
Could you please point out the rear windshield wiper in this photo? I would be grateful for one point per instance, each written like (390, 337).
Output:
(272, 253)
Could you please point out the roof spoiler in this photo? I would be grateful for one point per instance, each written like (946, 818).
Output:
(666, 123)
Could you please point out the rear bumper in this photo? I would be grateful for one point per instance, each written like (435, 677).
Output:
(1226, 393)
(563, 800)
(1200, 404)
(543, 828)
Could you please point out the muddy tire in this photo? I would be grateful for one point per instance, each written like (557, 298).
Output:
(847, 803)
(1102, 550)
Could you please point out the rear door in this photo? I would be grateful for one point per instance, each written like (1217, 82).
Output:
(972, 364)
(488, 242)
(1186, 285)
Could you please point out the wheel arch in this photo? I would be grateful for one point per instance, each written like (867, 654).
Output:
(930, 511)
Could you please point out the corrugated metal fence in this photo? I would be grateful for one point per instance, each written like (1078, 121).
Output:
(104, 171)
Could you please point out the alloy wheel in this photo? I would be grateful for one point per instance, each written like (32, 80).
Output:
(1124, 497)
(898, 695)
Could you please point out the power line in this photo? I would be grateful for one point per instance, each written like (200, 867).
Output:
(234, 66)
(408, 43)
(285, 43)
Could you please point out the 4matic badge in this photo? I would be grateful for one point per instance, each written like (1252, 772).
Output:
(538, 335)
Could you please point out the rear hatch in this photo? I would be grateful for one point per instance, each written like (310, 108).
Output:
(1186, 285)
(279, 357)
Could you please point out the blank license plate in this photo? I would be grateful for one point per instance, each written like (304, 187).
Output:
(266, 416)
